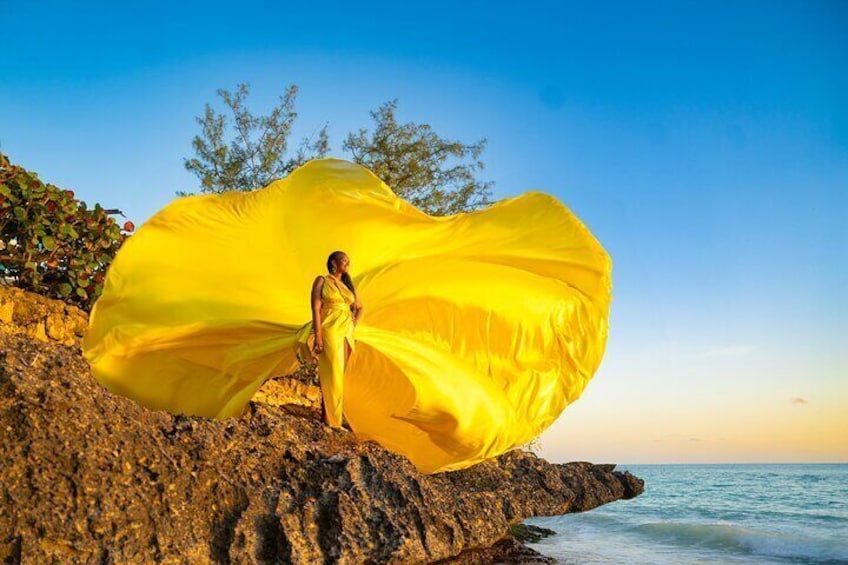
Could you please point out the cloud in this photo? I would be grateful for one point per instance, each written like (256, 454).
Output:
(799, 400)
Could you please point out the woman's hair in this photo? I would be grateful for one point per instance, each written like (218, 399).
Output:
(337, 256)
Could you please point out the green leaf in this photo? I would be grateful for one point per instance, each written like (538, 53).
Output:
(49, 243)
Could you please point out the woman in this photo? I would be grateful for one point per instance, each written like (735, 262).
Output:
(335, 311)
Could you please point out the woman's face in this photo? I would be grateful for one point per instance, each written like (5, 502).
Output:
(342, 265)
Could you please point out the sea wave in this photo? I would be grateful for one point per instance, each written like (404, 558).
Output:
(745, 540)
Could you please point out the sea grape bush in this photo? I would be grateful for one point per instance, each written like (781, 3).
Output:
(50, 242)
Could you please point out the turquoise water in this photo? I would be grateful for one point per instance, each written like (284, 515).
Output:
(713, 514)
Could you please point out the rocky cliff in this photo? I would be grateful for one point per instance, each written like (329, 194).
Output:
(90, 477)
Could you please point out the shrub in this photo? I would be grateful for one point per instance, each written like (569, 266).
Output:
(50, 242)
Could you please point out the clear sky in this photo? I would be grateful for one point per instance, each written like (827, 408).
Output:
(705, 144)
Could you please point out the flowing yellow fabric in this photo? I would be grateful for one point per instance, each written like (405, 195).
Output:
(478, 328)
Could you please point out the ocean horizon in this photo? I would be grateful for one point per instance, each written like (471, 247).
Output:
(712, 513)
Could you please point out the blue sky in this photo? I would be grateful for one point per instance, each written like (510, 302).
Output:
(704, 143)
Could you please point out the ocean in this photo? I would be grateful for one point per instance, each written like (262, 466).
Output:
(712, 514)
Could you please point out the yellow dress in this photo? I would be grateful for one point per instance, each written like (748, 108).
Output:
(336, 328)
(478, 328)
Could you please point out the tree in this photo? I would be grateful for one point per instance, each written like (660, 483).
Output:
(254, 153)
(435, 174)
(426, 170)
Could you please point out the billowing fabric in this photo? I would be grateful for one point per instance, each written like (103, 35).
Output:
(478, 328)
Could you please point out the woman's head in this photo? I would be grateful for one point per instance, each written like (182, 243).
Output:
(338, 263)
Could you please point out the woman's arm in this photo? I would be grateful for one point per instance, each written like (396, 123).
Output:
(356, 308)
(317, 287)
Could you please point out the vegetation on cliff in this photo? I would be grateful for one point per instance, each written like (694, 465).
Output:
(52, 243)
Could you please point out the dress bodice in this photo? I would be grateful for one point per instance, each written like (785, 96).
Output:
(336, 294)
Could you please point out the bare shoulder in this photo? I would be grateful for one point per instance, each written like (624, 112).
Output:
(318, 283)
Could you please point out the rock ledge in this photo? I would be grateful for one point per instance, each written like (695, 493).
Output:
(92, 477)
